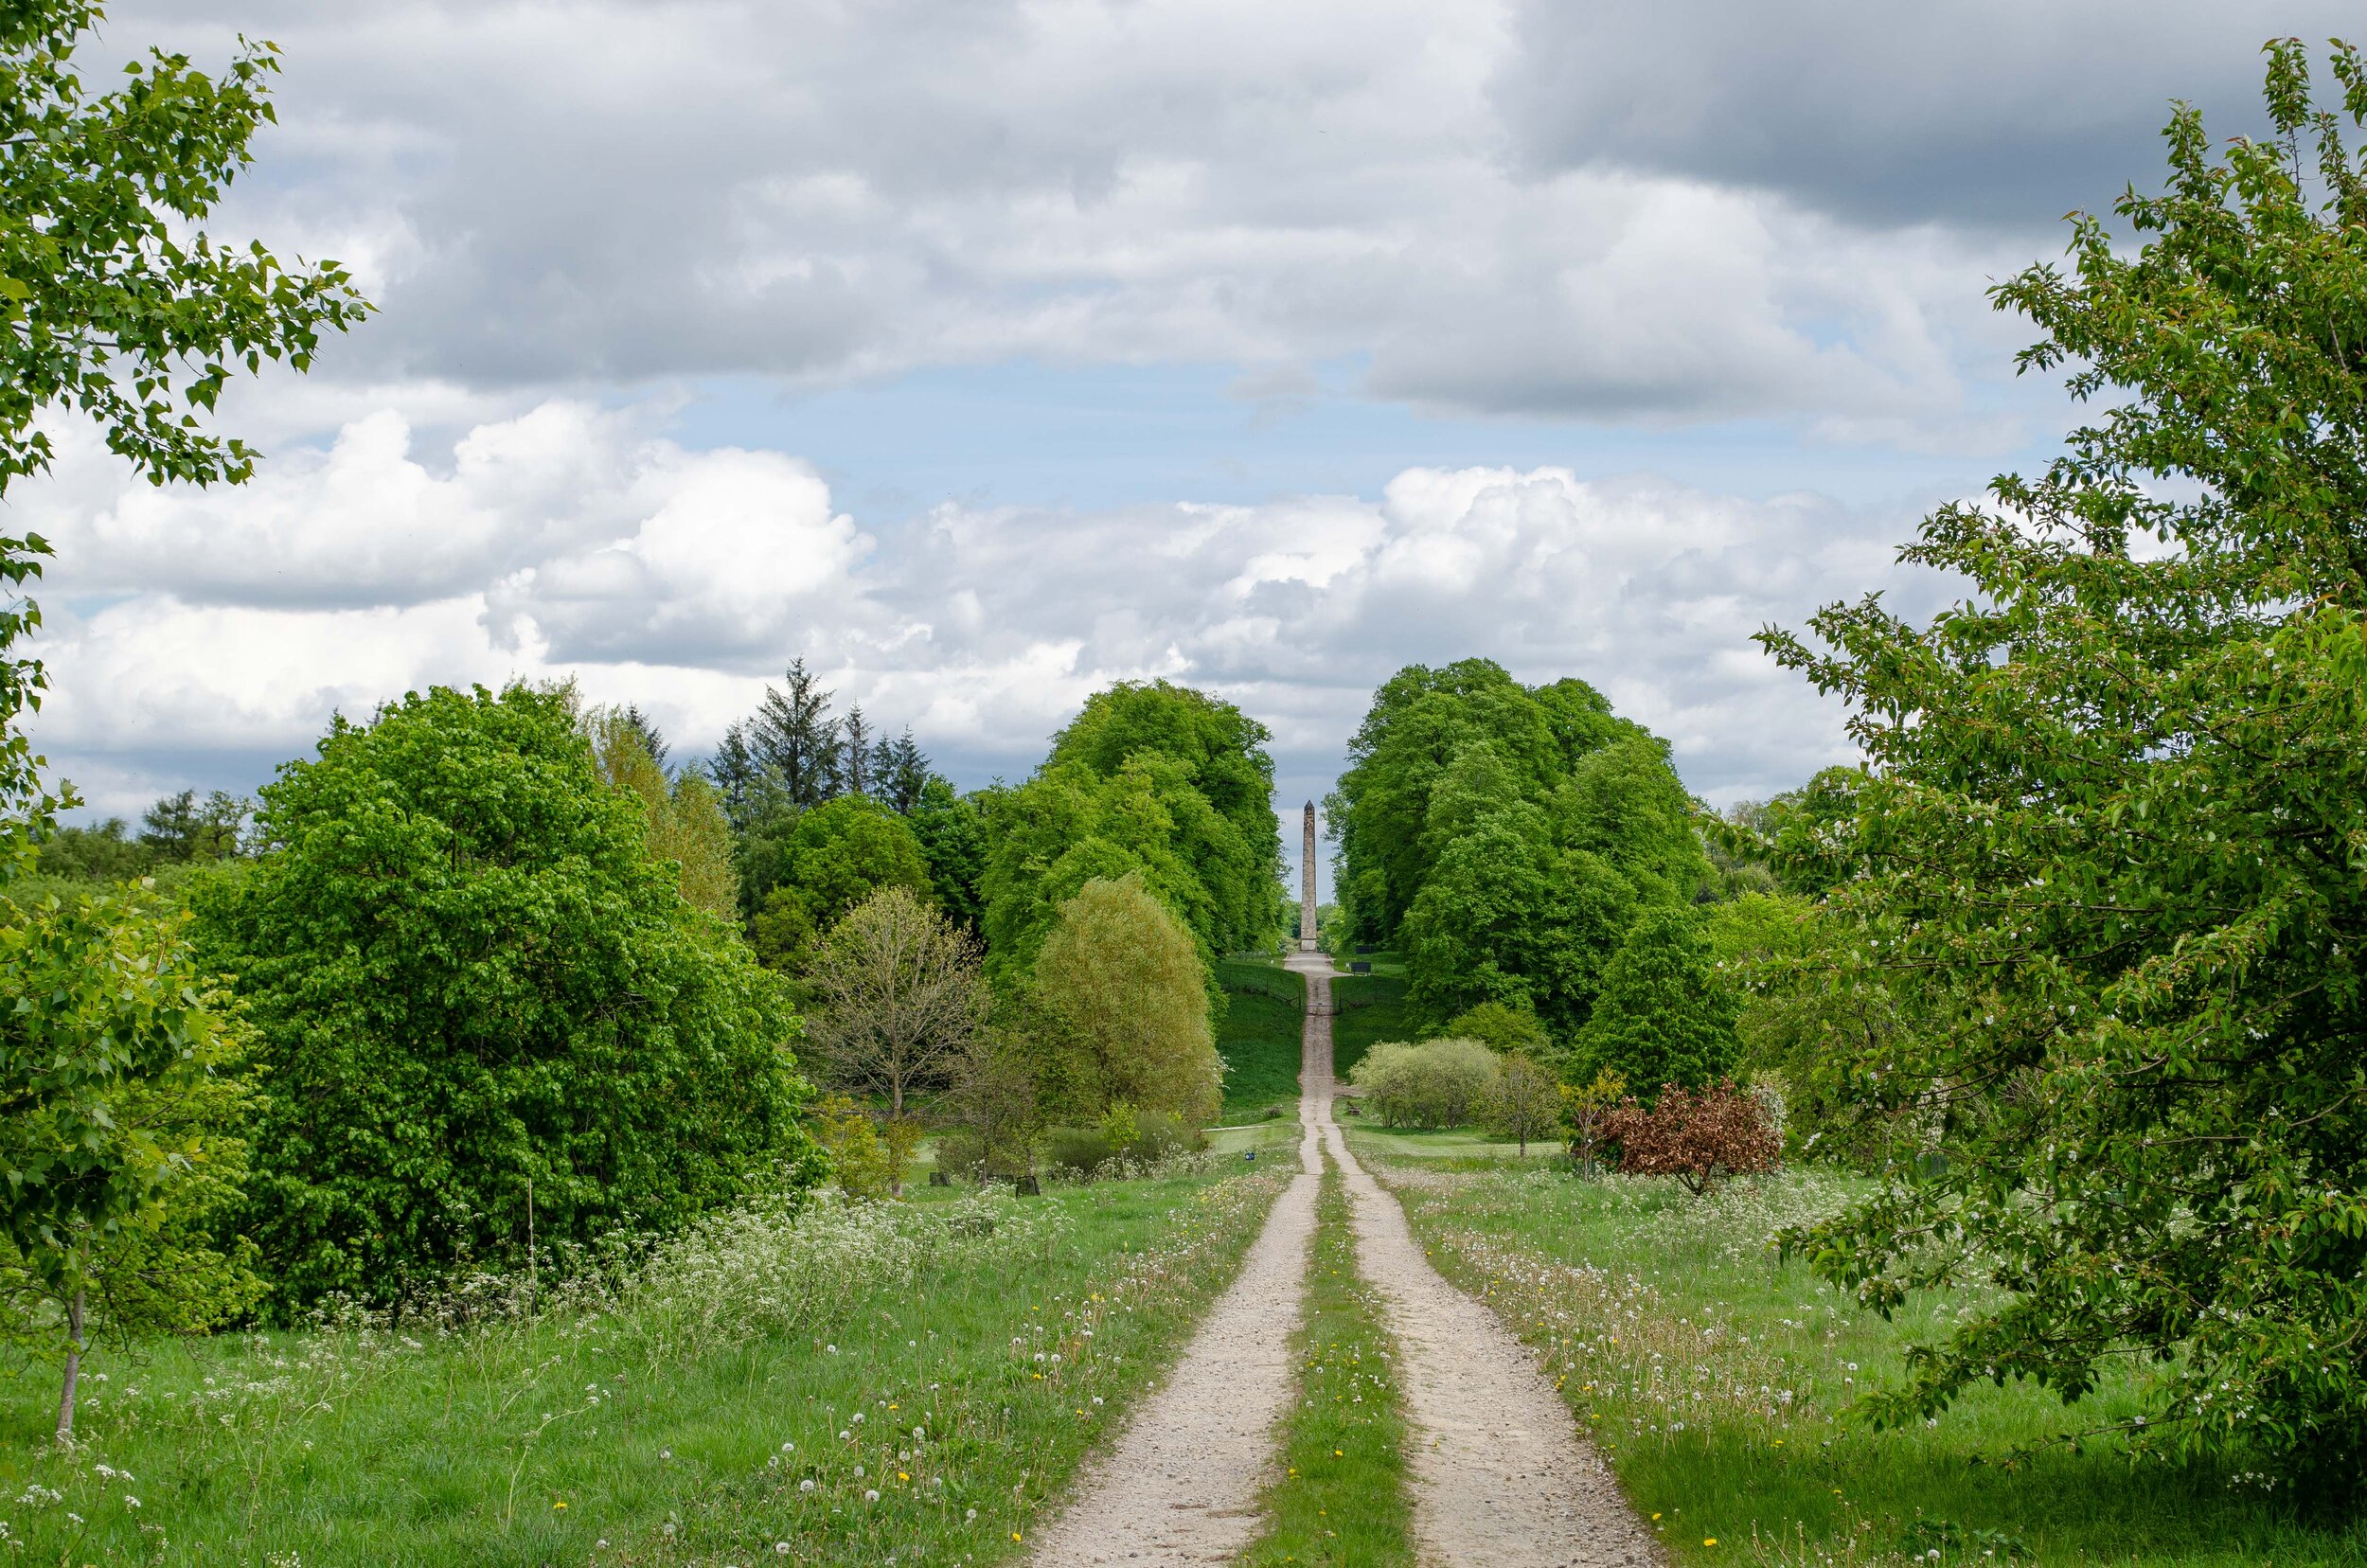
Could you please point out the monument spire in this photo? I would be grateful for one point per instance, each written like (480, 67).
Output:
(1306, 883)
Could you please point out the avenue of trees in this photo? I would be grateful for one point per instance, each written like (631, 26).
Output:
(2067, 969)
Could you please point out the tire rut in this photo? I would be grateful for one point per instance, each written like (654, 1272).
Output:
(1501, 1476)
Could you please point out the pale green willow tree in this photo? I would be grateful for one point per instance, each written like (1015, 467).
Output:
(116, 304)
(2115, 816)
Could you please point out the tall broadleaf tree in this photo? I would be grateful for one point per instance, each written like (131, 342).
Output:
(483, 1011)
(2115, 820)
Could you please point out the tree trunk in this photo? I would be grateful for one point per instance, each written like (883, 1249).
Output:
(73, 1365)
(895, 1161)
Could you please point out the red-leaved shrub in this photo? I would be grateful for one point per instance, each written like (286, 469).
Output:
(1699, 1139)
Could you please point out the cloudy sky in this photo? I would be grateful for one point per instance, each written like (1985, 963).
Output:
(983, 353)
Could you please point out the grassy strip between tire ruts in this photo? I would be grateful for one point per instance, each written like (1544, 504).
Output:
(920, 1413)
(1718, 1380)
(1341, 1497)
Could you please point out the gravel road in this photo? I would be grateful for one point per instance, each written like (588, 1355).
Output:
(1501, 1477)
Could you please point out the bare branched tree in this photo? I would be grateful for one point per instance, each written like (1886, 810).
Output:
(897, 996)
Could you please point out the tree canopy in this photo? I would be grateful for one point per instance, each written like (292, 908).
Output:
(1505, 837)
(1122, 982)
(470, 980)
(805, 873)
(2113, 822)
(1157, 781)
(682, 820)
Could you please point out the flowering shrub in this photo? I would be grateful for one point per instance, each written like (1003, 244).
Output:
(1699, 1139)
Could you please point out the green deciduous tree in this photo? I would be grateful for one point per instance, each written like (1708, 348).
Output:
(1504, 837)
(1506, 918)
(1623, 803)
(895, 993)
(2116, 812)
(1524, 1102)
(471, 980)
(1663, 1015)
(1123, 983)
(1154, 779)
(804, 873)
(111, 301)
(682, 820)
(118, 1079)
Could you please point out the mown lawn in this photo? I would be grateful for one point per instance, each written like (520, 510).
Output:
(1717, 1380)
(1371, 1010)
(1459, 1148)
(1259, 1036)
(850, 1386)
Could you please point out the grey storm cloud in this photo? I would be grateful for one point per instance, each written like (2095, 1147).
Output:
(1975, 111)
(1496, 210)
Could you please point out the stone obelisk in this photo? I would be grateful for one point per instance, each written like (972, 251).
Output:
(1306, 883)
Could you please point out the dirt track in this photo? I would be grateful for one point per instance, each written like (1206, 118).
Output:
(1501, 1477)
(1182, 1485)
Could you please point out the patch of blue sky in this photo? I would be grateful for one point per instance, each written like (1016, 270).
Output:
(1028, 434)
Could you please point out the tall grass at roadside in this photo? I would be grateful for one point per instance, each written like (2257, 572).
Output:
(1716, 1379)
(1340, 1498)
(745, 1387)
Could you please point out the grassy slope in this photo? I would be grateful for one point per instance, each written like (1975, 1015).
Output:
(494, 1450)
(1258, 1036)
(1372, 1010)
(1342, 1498)
(1678, 1335)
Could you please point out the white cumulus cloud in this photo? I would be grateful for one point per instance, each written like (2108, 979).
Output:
(190, 640)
